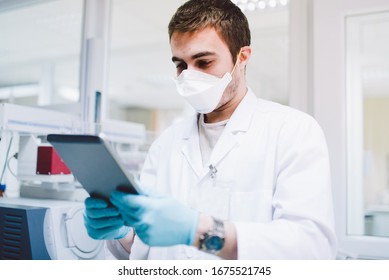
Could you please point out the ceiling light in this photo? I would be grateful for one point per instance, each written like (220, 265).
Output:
(284, 2)
(260, 5)
(272, 3)
(251, 6)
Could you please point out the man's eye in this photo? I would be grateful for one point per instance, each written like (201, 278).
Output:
(203, 63)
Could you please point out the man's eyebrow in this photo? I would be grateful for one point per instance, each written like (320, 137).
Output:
(201, 54)
(195, 56)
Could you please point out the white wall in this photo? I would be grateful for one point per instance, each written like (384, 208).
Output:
(329, 107)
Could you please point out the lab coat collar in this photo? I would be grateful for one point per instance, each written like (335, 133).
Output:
(239, 122)
(241, 118)
(191, 147)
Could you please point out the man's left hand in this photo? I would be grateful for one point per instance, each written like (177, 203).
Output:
(158, 220)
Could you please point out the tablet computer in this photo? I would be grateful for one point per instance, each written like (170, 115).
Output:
(94, 164)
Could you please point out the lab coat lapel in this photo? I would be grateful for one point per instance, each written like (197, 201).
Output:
(191, 147)
(226, 142)
(239, 123)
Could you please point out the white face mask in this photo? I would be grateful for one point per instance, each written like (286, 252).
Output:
(203, 91)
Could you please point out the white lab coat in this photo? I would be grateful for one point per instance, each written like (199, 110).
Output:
(272, 181)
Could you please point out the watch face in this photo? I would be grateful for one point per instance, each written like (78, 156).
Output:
(214, 243)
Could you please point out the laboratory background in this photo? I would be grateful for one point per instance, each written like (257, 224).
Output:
(88, 66)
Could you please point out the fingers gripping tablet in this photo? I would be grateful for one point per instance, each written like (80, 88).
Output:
(93, 164)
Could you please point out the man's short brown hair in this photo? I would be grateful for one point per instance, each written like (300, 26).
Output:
(227, 18)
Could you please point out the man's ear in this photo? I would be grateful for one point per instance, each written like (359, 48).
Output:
(245, 54)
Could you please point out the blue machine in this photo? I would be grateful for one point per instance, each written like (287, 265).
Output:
(21, 233)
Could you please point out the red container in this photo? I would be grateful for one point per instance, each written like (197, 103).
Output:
(49, 162)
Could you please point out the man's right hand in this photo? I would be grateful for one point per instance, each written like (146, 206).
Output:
(103, 221)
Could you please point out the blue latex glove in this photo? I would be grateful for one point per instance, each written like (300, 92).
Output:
(103, 221)
(158, 220)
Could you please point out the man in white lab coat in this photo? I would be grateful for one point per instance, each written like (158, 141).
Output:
(244, 178)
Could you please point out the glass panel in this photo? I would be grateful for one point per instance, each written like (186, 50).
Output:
(141, 87)
(40, 51)
(368, 135)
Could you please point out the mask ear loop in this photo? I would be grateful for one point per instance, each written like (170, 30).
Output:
(237, 60)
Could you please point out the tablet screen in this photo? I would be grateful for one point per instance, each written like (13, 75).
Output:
(93, 164)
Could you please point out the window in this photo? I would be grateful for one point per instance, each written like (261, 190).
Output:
(40, 51)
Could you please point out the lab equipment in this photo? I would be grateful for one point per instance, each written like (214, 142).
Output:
(377, 221)
(94, 164)
(2, 190)
(45, 229)
(46, 200)
(21, 232)
(49, 162)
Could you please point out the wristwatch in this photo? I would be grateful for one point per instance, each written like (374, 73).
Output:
(213, 240)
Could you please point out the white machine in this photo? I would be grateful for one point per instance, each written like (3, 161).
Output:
(45, 220)
(45, 229)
